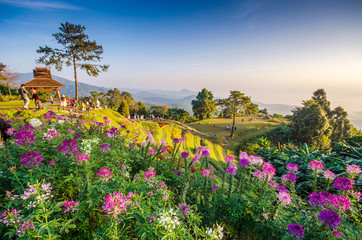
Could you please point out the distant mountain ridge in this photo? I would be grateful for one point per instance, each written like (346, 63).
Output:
(180, 99)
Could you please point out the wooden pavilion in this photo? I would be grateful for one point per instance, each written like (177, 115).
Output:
(43, 82)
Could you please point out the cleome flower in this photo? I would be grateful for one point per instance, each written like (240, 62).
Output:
(216, 233)
(70, 206)
(116, 203)
(169, 220)
(105, 174)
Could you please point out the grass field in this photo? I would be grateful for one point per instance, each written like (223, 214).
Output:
(137, 128)
(245, 128)
(20, 104)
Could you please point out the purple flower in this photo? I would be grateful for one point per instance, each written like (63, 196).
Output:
(205, 153)
(24, 137)
(113, 132)
(214, 187)
(343, 183)
(296, 230)
(232, 169)
(291, 167)
(178, 173)
(185, 154)
(31, 158)
(176, 140)
(282, 189)
(319, 199)
(184, 209)
(69, 147)
(329, 217)
(289, 178)
(105, 147)
(244, 162)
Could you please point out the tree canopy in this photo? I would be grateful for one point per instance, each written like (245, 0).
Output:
(123, 108)
(236, 102)
(204, 105)
(8, 77)
(76, 50)
(316, 124)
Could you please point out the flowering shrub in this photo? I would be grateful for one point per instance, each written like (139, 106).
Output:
(106, 182)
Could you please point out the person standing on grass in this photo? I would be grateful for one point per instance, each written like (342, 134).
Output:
(24, 95)
(35, 97)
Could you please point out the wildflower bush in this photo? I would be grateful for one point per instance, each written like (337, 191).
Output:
(64, 177)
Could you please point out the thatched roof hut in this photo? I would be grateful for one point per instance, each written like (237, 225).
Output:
(42, 79)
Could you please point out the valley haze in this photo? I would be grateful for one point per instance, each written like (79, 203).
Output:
(180, 99)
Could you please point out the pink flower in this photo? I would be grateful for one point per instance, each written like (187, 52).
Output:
(116, 204)
(337, 234)
(163, 142)
(269, 170)
(315, 165)
(105, 174)
(150, 174)
(273, 183)
(152, 151)
(284, 198)
(229, 159)
(356, 194)
(70, 206)
(255, 160)
(340, 202)
(291, 167)
(329, 175)
(207, 172)
(82, 157)
(353, 170)
(163, 150)
(260, 175)
(243, 155)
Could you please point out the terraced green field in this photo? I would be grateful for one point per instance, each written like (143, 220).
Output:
(246, 127)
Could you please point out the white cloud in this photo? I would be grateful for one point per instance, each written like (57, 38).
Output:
(40, 4)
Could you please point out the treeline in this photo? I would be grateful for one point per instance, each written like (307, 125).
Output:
(315, 124)
(124, 103)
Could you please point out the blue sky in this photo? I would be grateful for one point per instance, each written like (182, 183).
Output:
(275, 51)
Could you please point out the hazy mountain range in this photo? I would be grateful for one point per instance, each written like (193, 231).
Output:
(180, 99)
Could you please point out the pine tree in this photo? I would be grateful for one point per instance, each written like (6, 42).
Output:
(77, 51)
(123, 108)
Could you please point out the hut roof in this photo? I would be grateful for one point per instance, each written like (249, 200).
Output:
(42, 79)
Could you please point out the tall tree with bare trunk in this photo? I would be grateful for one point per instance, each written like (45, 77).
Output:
(8, 77)
(77, 51)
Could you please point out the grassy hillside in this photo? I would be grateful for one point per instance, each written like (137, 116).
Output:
(138, 129)
(245, 128)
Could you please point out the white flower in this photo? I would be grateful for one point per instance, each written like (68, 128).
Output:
(169, 220)
(215, 233)
(60, 121)
(35, 122)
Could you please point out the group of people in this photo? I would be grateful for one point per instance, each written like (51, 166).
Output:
(24, 96)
